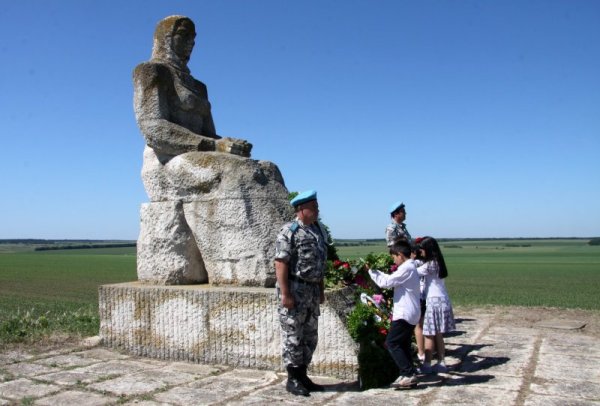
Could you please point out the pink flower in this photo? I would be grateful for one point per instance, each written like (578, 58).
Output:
(378, 299)
(346, 265)
(393, 268)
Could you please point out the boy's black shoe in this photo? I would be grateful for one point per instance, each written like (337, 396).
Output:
(294, 382)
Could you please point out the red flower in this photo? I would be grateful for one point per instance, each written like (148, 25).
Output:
(360, 281)
(393, 268)
(346, 265)
(337, 263)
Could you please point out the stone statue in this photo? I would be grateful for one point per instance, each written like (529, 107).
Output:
(171, 107)
(214, 212)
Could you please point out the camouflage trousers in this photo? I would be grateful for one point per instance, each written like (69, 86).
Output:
(299, 325)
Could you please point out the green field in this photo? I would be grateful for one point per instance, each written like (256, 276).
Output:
(58, 290)
(68, 277)
(555, 273)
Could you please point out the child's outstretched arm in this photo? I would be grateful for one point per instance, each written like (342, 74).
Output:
(384, 280)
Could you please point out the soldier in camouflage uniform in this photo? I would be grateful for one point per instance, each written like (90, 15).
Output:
(300, 260)
(396, 230)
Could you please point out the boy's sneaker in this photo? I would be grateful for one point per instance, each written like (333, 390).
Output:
(440, 367)
(425, 369)
(405, 382)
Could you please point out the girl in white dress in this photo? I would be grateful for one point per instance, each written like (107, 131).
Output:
(439, 318)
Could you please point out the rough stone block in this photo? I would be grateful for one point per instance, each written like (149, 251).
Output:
(166, 250)
(232, 326)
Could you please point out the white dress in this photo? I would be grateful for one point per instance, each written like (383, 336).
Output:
(439, 317)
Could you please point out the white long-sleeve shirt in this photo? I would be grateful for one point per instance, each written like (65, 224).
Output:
(405, 282)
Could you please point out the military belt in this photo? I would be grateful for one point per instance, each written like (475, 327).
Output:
(298, 279)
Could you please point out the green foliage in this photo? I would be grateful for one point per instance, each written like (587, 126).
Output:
(29, 325)
(341, 273)
(27, 401)
(380, 261)
(361, 323)
(331, 249)
(594, 241)
(376, 368)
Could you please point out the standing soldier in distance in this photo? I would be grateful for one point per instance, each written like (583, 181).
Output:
(396, 230)
(300, 263)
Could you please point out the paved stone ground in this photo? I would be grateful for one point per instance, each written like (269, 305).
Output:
(499, 356)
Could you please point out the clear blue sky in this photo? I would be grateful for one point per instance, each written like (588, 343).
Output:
(482, 116)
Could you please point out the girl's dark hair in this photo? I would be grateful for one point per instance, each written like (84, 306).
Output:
(400, 247)
(433, 252)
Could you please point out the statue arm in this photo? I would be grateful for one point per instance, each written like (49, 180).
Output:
(208, 125)
(152, 114)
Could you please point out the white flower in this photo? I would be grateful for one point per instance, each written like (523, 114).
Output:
(366, 299)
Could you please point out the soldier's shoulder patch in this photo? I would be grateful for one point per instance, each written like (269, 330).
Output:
(294, 226)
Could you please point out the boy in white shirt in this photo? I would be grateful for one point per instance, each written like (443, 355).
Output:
(406, 312)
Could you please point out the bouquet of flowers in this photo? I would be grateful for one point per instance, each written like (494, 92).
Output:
(371, 317)
(369, 321)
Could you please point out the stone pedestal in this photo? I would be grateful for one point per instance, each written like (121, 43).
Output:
(233, 326)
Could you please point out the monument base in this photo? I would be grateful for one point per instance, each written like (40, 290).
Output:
(233, 326)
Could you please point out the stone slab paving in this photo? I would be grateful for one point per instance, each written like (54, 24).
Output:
(76, 397)
(491, 363)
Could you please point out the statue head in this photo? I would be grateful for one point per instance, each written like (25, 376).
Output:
(174, 40)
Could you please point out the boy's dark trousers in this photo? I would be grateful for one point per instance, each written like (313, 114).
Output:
(399, 345)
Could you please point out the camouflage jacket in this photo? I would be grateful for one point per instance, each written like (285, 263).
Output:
(395, 231)
(304, 249)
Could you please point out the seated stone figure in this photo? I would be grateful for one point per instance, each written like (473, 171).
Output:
(214, 212)
(171, 106)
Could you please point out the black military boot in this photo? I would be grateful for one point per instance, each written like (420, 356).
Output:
(294, 383)
(308, 384)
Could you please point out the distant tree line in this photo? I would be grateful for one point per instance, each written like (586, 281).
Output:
(374, 241)
(594, 241)
(82, 246)
(356, 243)
(37, 241)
